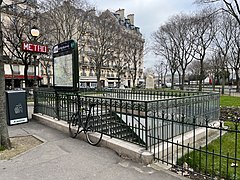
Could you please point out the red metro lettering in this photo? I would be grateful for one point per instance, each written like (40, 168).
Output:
(34, 47)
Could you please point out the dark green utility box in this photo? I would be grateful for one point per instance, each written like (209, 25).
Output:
(16, 105)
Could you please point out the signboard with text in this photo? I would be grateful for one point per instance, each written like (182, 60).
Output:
(37, 48)
(65, 65)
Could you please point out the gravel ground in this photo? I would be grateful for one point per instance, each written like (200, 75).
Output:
(20, 144)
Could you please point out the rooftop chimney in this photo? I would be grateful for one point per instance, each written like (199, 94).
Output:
(121, 13)
(131, 18)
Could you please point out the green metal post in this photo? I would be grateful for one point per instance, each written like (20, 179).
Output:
(146, 125)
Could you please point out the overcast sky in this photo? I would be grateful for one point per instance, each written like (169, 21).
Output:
(149, 14)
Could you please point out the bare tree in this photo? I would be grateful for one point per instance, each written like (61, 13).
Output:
(61, 20)
(196, 73)
(15, 32)
(4, 136)
(46, 64)
(223, 42)
(160, 69)
(203, 30)
(234, 52)
(102, 40)
(183, 42)
(164, 46)
(214, 68)
(231, 6)
(120, 61)
(134, 54)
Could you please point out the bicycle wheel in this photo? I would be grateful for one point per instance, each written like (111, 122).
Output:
(94, 131)
(74, 125)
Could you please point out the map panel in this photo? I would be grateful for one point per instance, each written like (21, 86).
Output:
(63, 71)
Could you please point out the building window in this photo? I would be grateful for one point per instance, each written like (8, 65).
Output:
(83, 72)
(16, 69)
(93, 84)
(91, 72)
(108, 74)
(83, 59)
(31, 70)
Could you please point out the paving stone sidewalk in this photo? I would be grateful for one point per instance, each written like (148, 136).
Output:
(61, 157)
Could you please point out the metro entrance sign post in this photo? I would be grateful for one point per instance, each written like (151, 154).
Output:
(34, 48)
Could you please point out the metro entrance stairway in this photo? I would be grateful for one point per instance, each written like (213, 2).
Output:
(116, 127)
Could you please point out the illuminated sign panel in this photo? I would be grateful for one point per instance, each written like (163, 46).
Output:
(29, 47)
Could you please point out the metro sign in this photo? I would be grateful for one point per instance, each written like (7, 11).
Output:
(29, 47)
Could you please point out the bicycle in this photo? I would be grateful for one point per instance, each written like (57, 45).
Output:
(91, 125)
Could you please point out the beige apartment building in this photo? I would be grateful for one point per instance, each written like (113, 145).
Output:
(109, 75)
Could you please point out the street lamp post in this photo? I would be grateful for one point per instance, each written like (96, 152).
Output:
(35, 34)
(161, 69)
(48, 74)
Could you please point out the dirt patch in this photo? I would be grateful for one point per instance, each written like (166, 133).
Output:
(20, 144)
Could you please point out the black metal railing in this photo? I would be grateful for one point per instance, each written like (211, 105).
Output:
(136, 109)
(181, 129)
(211, 150)
(227, 90)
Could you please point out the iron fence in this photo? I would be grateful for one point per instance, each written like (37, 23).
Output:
(211, 150)
(139, 110)
(227, 90)
(176, 127)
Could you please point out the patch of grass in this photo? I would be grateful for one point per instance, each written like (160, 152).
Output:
(217, 157)
(230, 101)
(2, 148)
(210, 160)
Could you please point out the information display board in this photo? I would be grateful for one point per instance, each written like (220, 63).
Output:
(66, 65)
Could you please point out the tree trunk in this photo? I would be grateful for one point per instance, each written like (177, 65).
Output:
(179, 79)
(98, 74)
(134, 76)
(119, 82)
(213, 82)
(12, 78)
(134, 81)
(201, 76)
(182, 80)
(26, 75)
(237, 80)
(4, 136)
(223, 82)
(172, 80)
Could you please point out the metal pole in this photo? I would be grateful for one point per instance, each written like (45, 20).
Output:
(35, 84)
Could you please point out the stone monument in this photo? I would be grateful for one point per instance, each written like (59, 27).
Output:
(149, 81)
